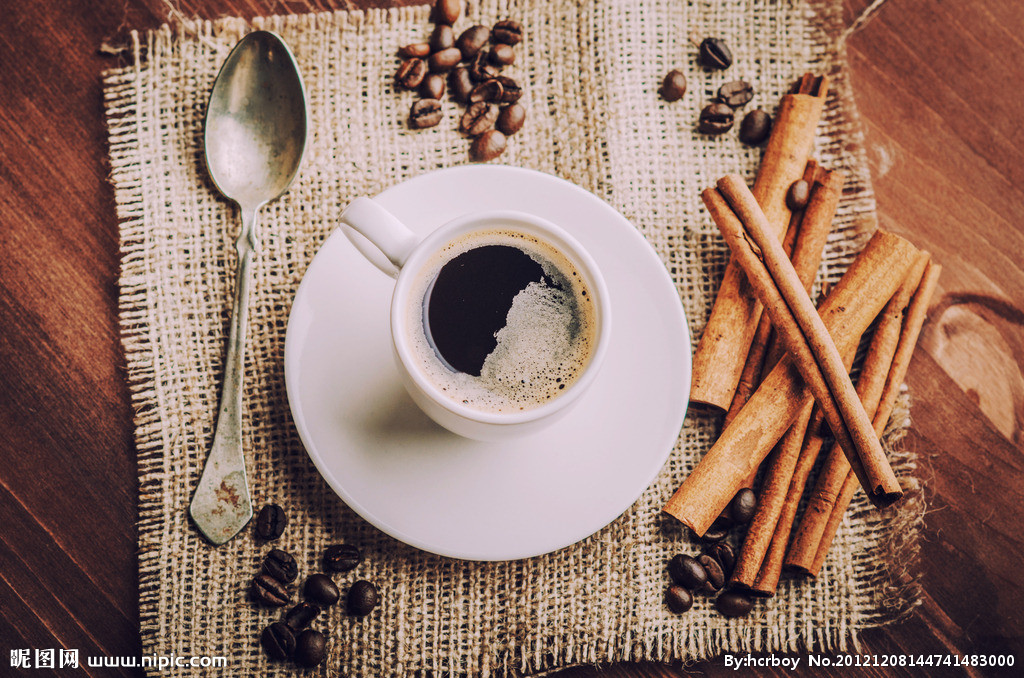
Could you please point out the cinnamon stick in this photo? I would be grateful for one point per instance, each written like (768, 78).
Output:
(847, 311)
(767, 580)
(914, 321)
(773, 497)
(806, 338)
(725, 343)
(816, 224)
(815, 227)
(877, 365)
(769, 500)
(801, 442)
(886, 363)
(869, 389)
(800, 236)
(835, 519)
(755, 365)
(901, 362)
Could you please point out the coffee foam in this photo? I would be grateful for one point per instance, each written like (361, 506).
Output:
(543, 348)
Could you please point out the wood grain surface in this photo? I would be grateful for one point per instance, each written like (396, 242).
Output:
(938, 85)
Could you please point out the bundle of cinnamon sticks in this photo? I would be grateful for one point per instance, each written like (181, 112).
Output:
(779, 368)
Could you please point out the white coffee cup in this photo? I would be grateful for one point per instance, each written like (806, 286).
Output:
(406, 257)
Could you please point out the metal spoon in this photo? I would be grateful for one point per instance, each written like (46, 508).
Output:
(255, 137)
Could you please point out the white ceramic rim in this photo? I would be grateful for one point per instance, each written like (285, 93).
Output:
(513, 220)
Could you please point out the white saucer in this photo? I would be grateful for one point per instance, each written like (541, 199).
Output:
(486, 501)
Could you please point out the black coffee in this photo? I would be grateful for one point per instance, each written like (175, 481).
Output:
(507, 321)
(470, 299)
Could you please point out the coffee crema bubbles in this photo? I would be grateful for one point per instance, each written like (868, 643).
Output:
(501, 321)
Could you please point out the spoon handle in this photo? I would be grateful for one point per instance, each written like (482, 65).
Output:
(221, 505)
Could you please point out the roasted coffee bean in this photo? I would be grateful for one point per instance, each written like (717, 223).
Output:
(472, 41)
(271, 521)
(718, 531)
(507, 32)
(734, 604)
(736, 94)
(744, 504)
(678, 599)
(797, 195)
(411, 73)
(478, 118)
(362, 598)
(461, 84)
(432, 86)
(755, 128)
(715, 119)
(686, 571)
(269, 591)
(489, 90)
(487, 146)
(714, 54)
(281, 566)
(716, 578)
(310, 648)
(446, 11)
(442, 37)
(511, 119)
(321, 589)
(480, 70)
(342, 558)
(425, 113)
(673, 87)
(511, 92)
(722, 553)
(416, 49)
(278, 640)
(502, 55)
(445, 60)
(301, 615)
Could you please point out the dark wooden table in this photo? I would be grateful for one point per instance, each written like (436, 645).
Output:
(939, 87)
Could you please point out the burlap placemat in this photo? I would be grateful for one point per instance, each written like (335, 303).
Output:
(591, 72)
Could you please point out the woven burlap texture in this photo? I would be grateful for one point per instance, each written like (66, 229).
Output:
(590, 71)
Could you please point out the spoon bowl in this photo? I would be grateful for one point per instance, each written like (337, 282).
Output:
(256, 121)
(255, 136)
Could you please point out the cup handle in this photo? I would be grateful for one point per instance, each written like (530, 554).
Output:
(385, 232)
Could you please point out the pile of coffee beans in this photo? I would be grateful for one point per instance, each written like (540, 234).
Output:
(709, 571)
(474, 79)
(719, 116)
(290, 638)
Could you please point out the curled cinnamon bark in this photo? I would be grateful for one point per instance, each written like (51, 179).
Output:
(885, 367)
(847, 311)
(806, 338)
(804, 244)
(725, 343)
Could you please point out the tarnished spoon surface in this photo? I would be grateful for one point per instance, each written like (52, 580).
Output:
(255, 136)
